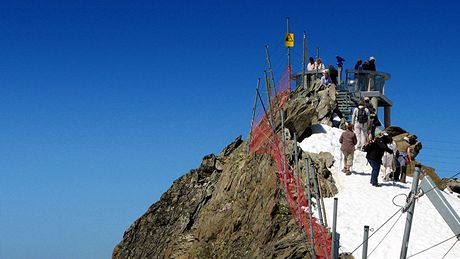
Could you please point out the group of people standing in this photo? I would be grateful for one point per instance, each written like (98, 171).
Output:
(368, 64)
(382, 151)
(329, 74)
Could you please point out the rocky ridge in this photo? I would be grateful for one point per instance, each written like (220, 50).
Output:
(233, 205)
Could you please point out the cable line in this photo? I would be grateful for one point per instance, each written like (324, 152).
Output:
(433, 246)
(385, 235)
(376, 230)
(450, 249)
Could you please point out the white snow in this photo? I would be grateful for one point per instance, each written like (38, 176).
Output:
(359, 204)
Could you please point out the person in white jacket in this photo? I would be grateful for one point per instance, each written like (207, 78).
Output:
(389, 160)
(319, 65)
(361, 119)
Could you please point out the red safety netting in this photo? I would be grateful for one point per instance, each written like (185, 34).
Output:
(265, 141)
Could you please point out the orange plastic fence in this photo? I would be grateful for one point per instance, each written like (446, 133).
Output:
(265, 141)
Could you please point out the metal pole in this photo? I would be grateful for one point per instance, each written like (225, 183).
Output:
(340, 75)
(253, 113)
(410, 214)
(265, 110)
(321, 199)
(296, 171)
(283, 138)
(296, 154)
(289, 56)
(271, 69)
(365, 239)
(304, 61)
(318, 202)
(267, 83)
(335, 247)
(312, 233)
(317, 57)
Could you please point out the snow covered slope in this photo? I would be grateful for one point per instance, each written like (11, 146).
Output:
(359, 204)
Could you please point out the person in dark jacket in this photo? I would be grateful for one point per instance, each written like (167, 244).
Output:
(359, 64)
(348, 141)
(374, 156)
(333, 73)
(371, 66)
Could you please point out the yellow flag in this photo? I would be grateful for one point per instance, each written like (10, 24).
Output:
(289, 40)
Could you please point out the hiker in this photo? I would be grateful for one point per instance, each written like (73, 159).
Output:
(373, 120)
(371, 66)
(365, 66)
(371, 77)
(326, 79)
(311, 64)
(359, 77)
(375, 150)
(333, 73)
(359, 64)
(389, 160)
(404, 158)
(360, 119)
(319, 65)
(348, 141)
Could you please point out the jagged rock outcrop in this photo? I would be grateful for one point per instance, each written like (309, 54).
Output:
(235, 212)
(453, 185)
(233, 205)
(399, 134)
(309, 106)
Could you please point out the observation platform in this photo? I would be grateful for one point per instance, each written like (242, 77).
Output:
(357, 85)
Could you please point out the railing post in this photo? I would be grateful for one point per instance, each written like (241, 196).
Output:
(410, 214)
(335, 245)
(317, 196)
(312, 233)
(365, 238)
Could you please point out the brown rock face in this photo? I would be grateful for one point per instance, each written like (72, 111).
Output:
(233, 205)
(236, 212)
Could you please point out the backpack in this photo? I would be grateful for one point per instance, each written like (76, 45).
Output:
(362, 115)
(369, 146)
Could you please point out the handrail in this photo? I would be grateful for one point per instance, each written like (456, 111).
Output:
(366, 80)
(384, 75)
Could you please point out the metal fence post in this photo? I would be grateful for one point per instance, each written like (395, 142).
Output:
(312, 233)
(317, 196)
(410, 214)
(335, 247)
(365, 238)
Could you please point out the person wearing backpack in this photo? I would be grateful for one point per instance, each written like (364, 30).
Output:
(360, 119)
(374, 156)
(373, 119)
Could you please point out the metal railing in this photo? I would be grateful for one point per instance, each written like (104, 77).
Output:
(365, 80)
(309, 77)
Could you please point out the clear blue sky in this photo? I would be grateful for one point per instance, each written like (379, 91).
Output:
(103, 104)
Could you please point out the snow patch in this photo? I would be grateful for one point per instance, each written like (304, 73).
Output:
(359, 204)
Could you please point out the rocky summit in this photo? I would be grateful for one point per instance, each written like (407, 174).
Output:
(233, 205)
